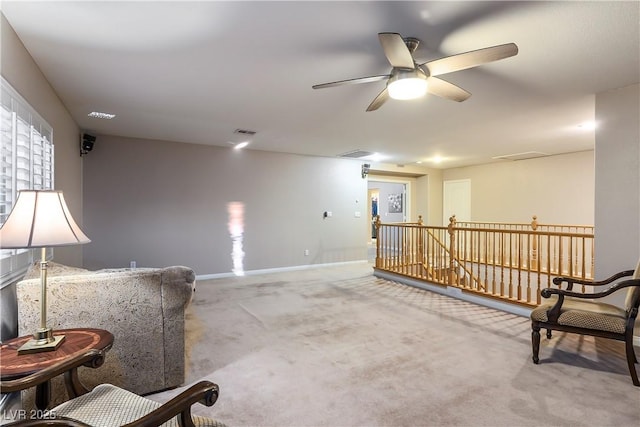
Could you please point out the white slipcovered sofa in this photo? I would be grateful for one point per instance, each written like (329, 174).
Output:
(143, 308)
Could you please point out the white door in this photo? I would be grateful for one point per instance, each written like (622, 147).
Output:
(456, 200)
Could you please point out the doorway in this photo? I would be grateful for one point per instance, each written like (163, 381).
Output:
(373, 198)
(387, 199)
(456, 200)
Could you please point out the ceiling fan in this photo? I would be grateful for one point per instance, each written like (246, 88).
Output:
(409, 80)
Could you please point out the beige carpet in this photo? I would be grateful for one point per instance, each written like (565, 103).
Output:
(335, 346)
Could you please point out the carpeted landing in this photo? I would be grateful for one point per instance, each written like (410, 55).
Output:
(336, 346)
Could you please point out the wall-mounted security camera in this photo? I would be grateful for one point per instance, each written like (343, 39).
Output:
(365, 170)
(86, 143)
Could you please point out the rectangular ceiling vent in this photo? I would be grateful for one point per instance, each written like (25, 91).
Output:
(245, 132)
(356, 154)
(521, 156)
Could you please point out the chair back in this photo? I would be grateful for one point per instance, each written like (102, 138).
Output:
(633, 294)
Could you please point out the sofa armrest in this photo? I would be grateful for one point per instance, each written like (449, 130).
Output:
(178, 285)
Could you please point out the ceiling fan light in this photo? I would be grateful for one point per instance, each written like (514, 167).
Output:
(409, 86)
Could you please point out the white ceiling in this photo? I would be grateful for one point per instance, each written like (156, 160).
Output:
(196, 71)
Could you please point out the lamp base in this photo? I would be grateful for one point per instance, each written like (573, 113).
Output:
(43, 340)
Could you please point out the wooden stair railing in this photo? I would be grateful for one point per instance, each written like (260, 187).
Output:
(500, 260)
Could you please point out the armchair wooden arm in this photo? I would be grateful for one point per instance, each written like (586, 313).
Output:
(82, 414)
(204, 392)
(547, 292)
(92, 358)
(570, 280)
(554, 312)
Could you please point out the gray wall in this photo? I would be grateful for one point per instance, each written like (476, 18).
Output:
(19, 69)
(617, 169)
(165, 203)
(558, 189)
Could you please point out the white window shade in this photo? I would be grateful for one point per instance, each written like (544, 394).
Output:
(26, 163)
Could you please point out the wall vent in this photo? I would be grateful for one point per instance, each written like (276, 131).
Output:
(356, 154)
(244, 132)
(521, 156)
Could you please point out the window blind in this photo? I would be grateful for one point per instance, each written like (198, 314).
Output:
(26, 163)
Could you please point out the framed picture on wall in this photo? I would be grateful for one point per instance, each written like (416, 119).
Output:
(395, 203)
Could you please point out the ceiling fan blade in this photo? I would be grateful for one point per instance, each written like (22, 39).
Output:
(466, 60)
(444, 89)
(396, 50)
(353, 81)
(380, 99)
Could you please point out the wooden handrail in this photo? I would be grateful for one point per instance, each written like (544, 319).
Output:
(533, 225)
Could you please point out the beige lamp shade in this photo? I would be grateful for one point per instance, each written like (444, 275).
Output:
(40, 218)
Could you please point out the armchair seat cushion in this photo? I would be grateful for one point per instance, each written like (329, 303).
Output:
(107, 405)
(587, 314)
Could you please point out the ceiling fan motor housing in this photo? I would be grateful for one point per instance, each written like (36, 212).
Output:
(412, 43)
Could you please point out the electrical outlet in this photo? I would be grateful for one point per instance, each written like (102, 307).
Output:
(306, 252)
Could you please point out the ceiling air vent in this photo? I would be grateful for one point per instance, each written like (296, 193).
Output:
(521, 156)
(245, 132)
(356, 154)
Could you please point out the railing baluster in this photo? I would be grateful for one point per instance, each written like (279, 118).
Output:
(527, 265)
(548, 263)
(486, 260)
(570, 256)
(510, 294)
(493, 259)
(560, 256)
(519, 288)
(502, 266)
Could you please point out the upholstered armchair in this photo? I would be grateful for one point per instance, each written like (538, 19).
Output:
(143, 308)
(586, 314)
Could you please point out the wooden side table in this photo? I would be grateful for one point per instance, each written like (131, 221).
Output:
(77, 341)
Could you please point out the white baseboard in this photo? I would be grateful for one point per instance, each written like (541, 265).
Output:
(275, 270)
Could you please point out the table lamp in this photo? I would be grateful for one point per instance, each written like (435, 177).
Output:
(41, 219)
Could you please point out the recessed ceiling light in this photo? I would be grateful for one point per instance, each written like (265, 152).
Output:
(376, 157)
(241, 145)
(99, 115)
